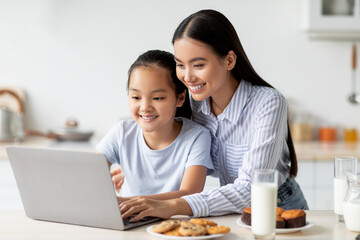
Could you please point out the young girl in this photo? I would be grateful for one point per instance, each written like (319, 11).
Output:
(246, 116)
(159, 153)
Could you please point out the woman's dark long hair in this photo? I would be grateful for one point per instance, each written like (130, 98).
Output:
(164, 60)
(215, 30)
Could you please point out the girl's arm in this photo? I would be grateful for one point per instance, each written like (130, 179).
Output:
(193, 182)
(198, 162)
(165, 205)
(150, 207)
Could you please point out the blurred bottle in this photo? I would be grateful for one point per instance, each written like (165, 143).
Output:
(327, 134)
(301, 127)
(350, 135)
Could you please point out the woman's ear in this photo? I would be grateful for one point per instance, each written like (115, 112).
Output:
(230, 60)
(181, 99)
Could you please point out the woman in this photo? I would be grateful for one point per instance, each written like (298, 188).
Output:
(246, 116)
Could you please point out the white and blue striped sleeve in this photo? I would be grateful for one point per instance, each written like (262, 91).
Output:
(265, 151)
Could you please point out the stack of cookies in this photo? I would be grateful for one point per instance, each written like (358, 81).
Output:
(293, 218)
(193, 227)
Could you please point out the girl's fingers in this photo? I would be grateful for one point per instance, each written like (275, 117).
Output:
(119, 184)
(133, 206)
(132, 210)
(141, 215)
(118, 181)
(115, 170)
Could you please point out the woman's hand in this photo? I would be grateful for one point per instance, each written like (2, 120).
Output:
(144, 207)
(117, 177)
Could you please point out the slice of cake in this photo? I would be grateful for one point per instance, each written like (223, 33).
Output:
(280, 222)
(246, 216)
(294, 218)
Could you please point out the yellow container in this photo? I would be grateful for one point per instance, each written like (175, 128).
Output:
(350, 135)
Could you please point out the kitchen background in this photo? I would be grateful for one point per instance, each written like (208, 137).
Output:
(70, 57)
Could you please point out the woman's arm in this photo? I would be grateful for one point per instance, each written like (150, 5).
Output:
(266, 148)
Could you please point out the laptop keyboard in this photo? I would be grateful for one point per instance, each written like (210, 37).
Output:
(127, 220)
(142, 221)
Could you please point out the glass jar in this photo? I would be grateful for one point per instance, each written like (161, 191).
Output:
(301, 127)
(350, 135)
(351, 203)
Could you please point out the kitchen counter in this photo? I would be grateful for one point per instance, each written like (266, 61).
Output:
(306, 151)
(325, 151)
(15, 225)
(43, 142)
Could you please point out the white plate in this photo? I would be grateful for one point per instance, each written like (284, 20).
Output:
(148, 229)
(280, 230)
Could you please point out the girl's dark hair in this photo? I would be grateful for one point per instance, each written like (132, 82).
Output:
(214, 29)
(165, 60)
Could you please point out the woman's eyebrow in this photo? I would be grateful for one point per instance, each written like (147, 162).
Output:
(192, 60)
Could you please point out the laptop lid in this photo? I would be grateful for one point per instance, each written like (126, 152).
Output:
(66, 186)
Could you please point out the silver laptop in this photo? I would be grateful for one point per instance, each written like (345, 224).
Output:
(67, 187)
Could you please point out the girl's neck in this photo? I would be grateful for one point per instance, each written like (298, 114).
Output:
(221, 98)
(163, 138)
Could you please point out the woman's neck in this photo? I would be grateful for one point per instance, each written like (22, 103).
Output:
(162, 138)
(221, 98)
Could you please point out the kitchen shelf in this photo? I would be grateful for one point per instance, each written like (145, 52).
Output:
(331, 19)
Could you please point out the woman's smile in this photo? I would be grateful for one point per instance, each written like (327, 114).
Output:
(196, 88)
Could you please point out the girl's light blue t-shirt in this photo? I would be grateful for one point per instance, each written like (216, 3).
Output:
(155, 171)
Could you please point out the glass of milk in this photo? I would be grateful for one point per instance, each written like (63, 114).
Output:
(341, 166)
(263, 203)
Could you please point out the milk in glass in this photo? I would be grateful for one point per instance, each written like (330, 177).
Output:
(340, 190)
(342, 165)
(263, 208)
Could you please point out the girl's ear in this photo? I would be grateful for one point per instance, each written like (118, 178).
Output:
(230, 60)
(181, 99)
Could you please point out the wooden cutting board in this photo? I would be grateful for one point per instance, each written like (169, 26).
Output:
(8, 101)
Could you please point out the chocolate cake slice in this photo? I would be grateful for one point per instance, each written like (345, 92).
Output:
(246, 216)
(294, 218)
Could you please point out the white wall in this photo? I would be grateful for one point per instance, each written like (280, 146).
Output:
(72, 56)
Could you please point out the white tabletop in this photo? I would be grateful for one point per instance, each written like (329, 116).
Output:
(15, 225)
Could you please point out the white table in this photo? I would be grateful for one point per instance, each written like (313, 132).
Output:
(15, 225)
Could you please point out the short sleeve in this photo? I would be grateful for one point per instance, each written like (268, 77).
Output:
(109, 145)
(200, 152)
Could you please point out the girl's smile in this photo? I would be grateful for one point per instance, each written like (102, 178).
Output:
(153, 101)
(147, 118)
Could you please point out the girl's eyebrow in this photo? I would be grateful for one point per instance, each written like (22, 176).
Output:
(154, 91)
(192, 60)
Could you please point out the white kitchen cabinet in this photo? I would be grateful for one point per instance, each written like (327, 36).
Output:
(9, 194)
(331, 19)
(317, 182)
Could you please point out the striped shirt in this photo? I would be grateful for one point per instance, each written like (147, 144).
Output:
(249, 134)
